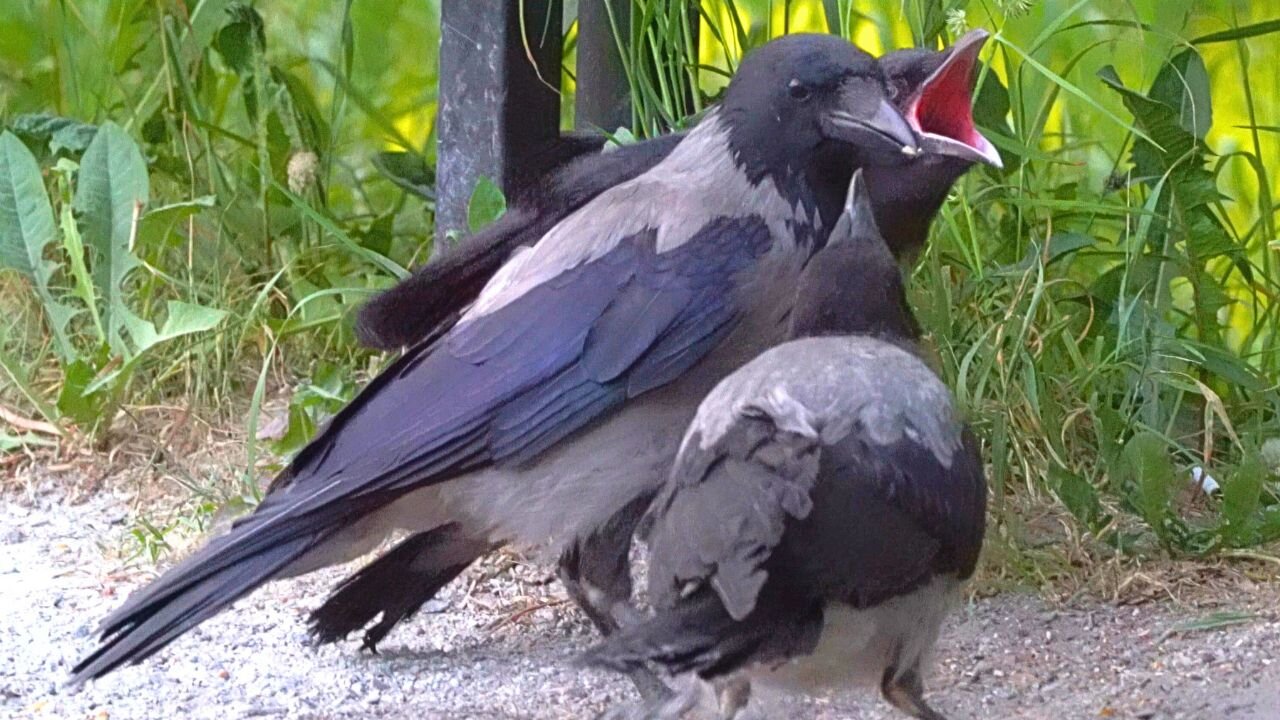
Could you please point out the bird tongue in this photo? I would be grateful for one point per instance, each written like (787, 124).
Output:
(942, 107)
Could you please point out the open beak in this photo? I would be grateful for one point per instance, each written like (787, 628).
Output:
(866, 119)
(941, 110)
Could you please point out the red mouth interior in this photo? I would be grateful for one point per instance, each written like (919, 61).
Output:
(944, 106)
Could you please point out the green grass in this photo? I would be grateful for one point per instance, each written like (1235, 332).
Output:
(1104, 307)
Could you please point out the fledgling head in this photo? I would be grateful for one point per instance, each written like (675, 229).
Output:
(796, 96)
(854, 286)
(934, 91)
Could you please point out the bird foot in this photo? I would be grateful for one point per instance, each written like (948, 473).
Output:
(690, 701)
(906, 692)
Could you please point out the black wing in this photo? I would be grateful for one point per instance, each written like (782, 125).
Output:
(726, 509)
(425, 305)
(856, 521)
(888, 519)
(498, 388)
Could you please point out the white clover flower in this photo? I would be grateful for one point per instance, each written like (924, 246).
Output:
(303, 168)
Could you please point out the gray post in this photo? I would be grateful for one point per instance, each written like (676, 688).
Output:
(603, 99)
(496, 109)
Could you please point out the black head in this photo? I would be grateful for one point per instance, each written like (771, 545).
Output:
(854, 286)
(934, 90)
(795, 97)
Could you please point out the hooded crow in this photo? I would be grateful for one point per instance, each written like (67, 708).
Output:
(932, 88)
(561, 393)
(825, 504)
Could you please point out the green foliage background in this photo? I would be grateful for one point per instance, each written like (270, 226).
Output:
(195, 194)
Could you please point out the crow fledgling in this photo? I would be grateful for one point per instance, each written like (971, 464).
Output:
(826, 503)
(560, 395)
(934, 90)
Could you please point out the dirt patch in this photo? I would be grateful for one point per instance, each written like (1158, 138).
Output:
(499, 644)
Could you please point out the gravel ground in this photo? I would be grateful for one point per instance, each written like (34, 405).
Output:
(499, 645)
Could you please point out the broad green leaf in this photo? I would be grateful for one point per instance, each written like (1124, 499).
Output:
(183, 319)
(1160, 124)
(487, 204)
(378, 238)
(156, 224)
(621, 136)
(299, 431)
(1078, 495)
(1226, 365)
(188, 318)
(75, 399)
(1148, 468)
(205, 19)
(240, 38)
(1183, 84)
(1269, 526)
(1241, 495)
(298, 111)
(1176, 114)
(54, 132)
(409, 171)
(831, 9)
(1210, 295)
(27, 230)
(110, 193)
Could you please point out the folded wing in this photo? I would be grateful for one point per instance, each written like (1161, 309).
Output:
(498, 388)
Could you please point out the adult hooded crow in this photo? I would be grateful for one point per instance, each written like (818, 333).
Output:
(825, 504)
(933, 89)
(606, 333)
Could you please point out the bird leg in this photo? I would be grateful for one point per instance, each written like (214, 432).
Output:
(734, 696)
(905, 691)
(691, 695)
(596, 571)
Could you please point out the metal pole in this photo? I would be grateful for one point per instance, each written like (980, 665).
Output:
(499, 96)
(603, 98)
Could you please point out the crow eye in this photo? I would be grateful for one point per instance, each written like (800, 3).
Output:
(798, 90)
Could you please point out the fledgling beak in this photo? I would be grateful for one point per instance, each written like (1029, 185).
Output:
(864, 117)
(941, 110)
(857, 222)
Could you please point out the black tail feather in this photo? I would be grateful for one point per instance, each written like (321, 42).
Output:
(187, 595)
(395, 585)
(429, 301)
(426, 304)
(696, 636)
(255, 550)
